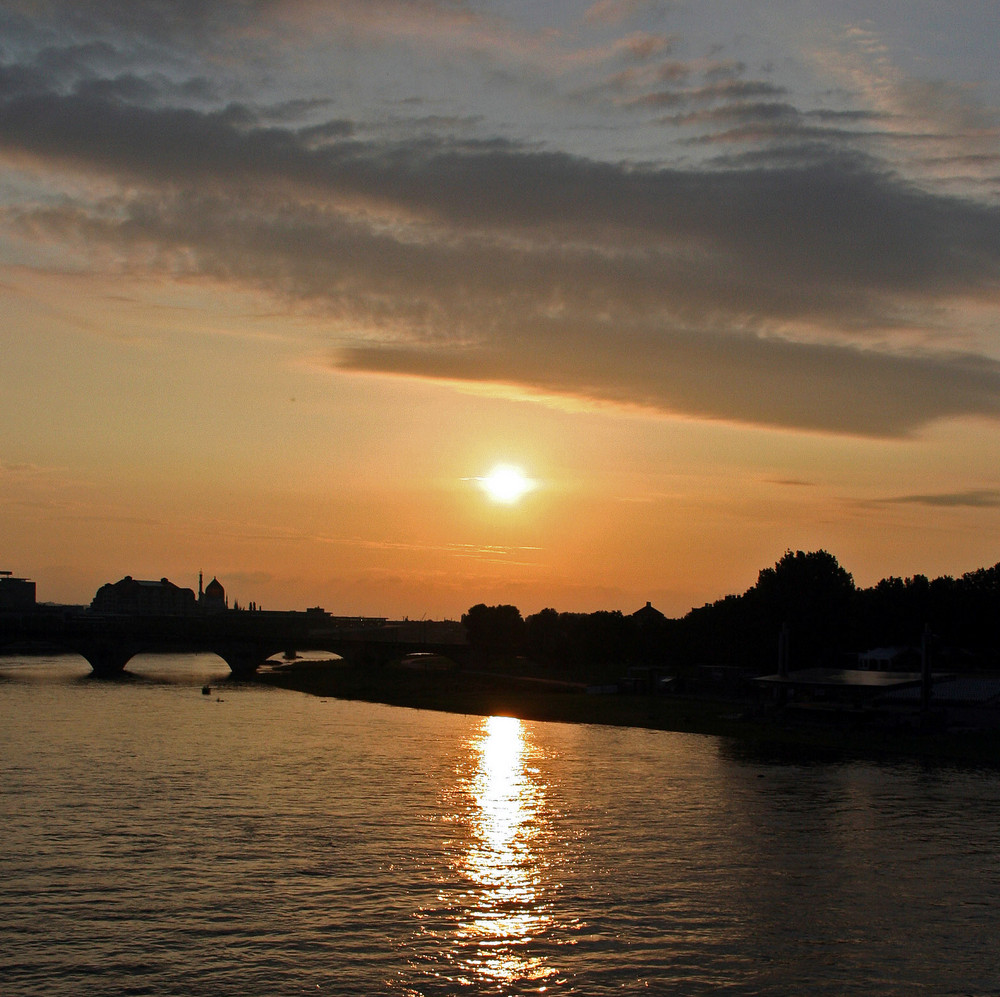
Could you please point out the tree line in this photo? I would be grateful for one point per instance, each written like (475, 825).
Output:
(829, 619)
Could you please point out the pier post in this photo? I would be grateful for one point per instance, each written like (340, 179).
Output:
(926, 681)
(783, 639)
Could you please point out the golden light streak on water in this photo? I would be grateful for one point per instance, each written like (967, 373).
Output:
(503, 860)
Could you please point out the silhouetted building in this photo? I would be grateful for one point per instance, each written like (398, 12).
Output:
(649, 614)
(16, 593)
(648, 642)
(133, 597)
(212, 599)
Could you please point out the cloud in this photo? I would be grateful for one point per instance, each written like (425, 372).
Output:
(110, 517)
(645, 45)
(810, 292)
(730, 91)
(615, 11)
(930, 125)
(824, 220)
(975, 499)
(253, 43)
(235, 579)
(740, 379)
(11, 468)
(152, 19)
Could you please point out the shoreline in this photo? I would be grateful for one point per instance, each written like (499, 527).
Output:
(754, 735)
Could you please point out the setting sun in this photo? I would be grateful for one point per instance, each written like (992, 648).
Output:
(506, 483)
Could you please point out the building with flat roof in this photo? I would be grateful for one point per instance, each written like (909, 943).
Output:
(16, 593)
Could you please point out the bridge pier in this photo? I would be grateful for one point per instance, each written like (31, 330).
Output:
(106, 657)
(244, 657)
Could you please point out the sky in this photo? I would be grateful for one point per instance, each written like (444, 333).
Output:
(283, 280)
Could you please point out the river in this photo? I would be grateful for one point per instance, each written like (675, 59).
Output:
(254, 841)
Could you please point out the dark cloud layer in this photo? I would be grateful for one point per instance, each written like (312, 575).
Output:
(774, 383)
(490, 262)
(841, 220)
(149, 19)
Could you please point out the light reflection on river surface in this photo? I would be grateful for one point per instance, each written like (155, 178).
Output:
(158, 841)
(505, 909)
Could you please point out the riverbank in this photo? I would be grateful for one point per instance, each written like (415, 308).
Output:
(751, 732)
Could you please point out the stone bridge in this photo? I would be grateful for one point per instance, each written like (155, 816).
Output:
(243, 639)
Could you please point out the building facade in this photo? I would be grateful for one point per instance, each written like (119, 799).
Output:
(16, 593)
(134, 597)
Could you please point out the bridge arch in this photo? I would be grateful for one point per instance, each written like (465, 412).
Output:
(37, 649)
(105, 657)
(244, 657)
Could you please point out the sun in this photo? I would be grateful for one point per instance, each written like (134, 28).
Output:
(506, 483)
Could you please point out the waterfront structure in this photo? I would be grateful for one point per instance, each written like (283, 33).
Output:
(16, 593)
(842, 685)
(212, 599)
(244, 640)
(136, 597)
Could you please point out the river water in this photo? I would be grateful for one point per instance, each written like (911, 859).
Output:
(255, 841)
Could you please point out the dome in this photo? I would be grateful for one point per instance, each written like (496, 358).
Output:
(215, 590)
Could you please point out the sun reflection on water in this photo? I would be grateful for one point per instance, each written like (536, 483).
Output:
(503, 861)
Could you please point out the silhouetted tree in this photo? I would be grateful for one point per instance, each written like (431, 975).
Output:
(494, 629)
(545, 636)
(726, 632)
(812, 593)
(605, 637)
(975, 616)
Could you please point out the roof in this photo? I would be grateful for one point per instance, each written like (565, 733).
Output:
(885, 653)
(145, 583)
(961, 690)
(843, 678)
(649, 611)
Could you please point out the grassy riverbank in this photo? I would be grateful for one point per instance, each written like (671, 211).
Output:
(750, 732)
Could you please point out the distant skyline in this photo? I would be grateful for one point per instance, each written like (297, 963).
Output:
(285, 281)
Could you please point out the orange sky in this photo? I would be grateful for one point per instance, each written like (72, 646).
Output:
(278, 290)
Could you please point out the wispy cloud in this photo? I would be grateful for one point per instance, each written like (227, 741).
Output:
(616, 11)
(12, 468)
(984, 498)
(258, 532)
(932, 129)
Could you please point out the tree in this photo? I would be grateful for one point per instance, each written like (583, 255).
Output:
(494, 629)
(812, 593)
(546, 637)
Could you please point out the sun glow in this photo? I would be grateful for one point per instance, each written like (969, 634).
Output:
(506, 483)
